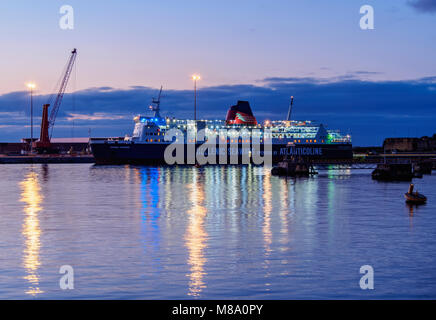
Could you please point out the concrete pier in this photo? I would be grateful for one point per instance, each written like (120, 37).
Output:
(47, 159)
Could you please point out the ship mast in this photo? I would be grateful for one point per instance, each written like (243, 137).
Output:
(156, 104)
(290, 109)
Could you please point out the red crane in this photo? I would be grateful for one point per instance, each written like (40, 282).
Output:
(47, 123)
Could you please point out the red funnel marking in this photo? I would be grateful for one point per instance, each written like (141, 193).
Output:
(241, 114)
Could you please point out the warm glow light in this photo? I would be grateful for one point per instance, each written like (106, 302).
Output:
(32, 199)
(31, 85)
(196, 238)
(267, 205)
(196, 77)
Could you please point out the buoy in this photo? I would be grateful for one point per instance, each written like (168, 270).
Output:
(414, 197)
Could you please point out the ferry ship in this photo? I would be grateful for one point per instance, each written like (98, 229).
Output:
(150, 138)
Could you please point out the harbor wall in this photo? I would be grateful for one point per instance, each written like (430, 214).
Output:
(11, 147)
(423, 144)
(14, 148)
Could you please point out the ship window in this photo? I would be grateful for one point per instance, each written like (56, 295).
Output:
(314, 141)
(151, 140)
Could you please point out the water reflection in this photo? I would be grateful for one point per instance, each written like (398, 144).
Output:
(210, 232)
(267, 235)
(196, 236)
(150, 199)
(284, 210)
(411, 209)
(31, 196)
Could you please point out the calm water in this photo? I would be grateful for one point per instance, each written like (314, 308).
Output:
(213, 232)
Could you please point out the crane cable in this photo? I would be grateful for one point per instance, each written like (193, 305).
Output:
(73, 94)
(56, 86)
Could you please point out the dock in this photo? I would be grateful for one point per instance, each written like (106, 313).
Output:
(51, 158)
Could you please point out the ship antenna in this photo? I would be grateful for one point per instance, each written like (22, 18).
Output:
(290, 109)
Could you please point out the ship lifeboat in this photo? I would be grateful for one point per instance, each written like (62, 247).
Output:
(414, 197)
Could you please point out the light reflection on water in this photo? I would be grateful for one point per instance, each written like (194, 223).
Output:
(196, 236)
(267, 234)
(32, 198)
(212, 232)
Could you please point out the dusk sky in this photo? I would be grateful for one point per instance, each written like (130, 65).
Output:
(372, 83)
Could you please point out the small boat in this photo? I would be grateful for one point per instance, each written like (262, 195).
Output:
(293, 167)
(393, 172)
(423, 167)
(414, 197)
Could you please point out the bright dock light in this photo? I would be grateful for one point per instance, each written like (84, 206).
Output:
(31, 86)
(195, 77)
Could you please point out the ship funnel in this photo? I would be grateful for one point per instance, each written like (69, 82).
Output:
(241, 114)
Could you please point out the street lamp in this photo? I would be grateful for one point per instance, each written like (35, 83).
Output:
(31, 86)
(195, 78)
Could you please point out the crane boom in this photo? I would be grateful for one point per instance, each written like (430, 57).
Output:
(60, 95)
(47, 123)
